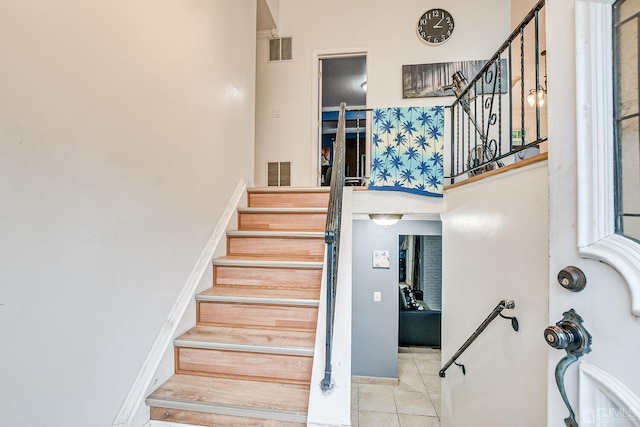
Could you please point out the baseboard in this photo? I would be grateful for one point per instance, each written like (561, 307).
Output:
(138, 391)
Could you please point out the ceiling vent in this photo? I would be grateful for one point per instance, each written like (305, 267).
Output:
(281, 49)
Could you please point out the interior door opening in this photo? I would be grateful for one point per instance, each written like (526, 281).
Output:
(420, 291)
(343, 79)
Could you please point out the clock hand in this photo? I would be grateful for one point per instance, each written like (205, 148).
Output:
(438, 24)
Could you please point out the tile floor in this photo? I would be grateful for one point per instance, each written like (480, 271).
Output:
(413, 402)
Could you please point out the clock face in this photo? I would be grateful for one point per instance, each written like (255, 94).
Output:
(435, 26)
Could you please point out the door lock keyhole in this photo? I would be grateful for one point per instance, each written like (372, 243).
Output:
(572, 278)
(565, 337)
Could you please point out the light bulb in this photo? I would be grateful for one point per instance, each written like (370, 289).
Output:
(536, 96)
(531, 98)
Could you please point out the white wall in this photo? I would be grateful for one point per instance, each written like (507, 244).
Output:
(124, 129)
(412, 206)
(334, 408)
(385, 29)
(495, 247)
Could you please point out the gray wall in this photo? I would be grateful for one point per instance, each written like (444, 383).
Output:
(375, 324)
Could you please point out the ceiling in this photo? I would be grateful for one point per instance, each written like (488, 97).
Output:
(264, 19)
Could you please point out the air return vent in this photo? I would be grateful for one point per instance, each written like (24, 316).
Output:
(281, 49)
(279, 174)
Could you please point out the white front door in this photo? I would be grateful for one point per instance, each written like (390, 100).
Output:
(604, 385)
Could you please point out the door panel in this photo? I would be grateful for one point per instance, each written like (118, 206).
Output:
(580, 189)
(605, 401)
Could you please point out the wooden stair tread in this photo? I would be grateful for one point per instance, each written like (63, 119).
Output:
(288, 197)
(303, 246)
(217, 420)
(277, 233)
(282, 218)
(301, 258)
(263, 316)
(282, 276)
(301, 261)
(274, 189)
(280, 210)
(259, 292)
(249, 336)
(231, 393)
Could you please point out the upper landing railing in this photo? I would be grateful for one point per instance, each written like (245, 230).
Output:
(499, 116)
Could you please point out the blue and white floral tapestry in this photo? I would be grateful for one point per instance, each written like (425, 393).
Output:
(408, 150)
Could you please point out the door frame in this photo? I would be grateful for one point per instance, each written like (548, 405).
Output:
(316, 100)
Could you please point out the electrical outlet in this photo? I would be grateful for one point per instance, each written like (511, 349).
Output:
(377, 296)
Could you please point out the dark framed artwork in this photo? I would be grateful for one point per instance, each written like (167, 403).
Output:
(429, 80)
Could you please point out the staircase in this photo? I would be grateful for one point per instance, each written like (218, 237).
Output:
(248, 360)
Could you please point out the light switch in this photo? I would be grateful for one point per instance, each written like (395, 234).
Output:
(377, 296)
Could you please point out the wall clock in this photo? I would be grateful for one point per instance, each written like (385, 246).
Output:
(435, 26)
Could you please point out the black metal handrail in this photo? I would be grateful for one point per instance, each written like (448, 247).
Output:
(497, 311)
(477, 141)
(332, 239)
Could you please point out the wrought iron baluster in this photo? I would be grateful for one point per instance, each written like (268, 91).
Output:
(537, 88)
(499, 92)
(522, 81)
(509, 91)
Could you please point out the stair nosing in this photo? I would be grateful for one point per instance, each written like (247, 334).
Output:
(276, 233)
(258, 300)
(282, 210)
(220, 409)
(266, 263)
(249, 348)
(258, 190)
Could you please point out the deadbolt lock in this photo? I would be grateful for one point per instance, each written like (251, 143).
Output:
(572, 278)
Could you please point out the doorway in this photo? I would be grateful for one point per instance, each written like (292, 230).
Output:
(420, 290)
(343, 79)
